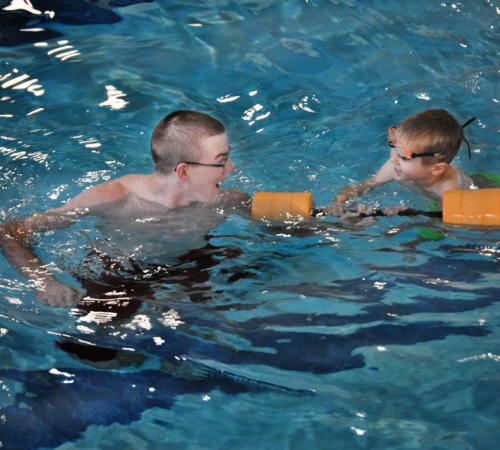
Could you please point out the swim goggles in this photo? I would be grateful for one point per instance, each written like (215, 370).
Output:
(404, 153)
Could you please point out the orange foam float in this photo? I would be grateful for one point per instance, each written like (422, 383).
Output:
(281, 205)
(473, 207)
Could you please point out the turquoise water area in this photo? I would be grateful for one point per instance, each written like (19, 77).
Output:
(308, 336)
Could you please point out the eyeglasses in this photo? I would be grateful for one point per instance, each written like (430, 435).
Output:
(404, 153)
(221, 165)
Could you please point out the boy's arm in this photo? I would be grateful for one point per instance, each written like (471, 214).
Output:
(16, 243)
(16, 240)
(234, 201)
(347, 193)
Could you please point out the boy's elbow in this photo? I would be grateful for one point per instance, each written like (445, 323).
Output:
(14, 230)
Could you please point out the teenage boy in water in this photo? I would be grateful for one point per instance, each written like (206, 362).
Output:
(422, 148)
(192, 158)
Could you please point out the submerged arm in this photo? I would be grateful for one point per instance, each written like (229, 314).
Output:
(235, 202)
(17, 243)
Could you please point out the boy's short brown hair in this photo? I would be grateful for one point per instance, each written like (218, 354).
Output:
(433, 131)
(176, 138)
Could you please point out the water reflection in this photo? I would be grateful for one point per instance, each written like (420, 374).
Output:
(115, 98)
(21, 82)
(25, 5)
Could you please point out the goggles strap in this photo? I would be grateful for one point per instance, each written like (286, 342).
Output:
(466, 141)
(468, 146)
(468, 122)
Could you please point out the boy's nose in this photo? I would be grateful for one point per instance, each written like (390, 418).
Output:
(394, 158)
(229, 168)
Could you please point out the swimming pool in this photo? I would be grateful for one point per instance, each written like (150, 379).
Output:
(311, 337)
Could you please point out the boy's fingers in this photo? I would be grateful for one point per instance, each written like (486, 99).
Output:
(348, 214)
(393, 210)
(333, 210)
(59, 295)
(369, 210)
(366, 222)
(361, 208)
(366, 210)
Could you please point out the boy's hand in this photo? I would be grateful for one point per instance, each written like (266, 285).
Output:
(55, 293)
(360, 218)
(393, 210)
(362, 209)
(333, 210)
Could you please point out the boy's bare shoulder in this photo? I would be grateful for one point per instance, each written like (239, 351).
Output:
(106, 192)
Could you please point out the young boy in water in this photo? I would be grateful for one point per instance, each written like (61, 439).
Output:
(192, 159)
(422, 148)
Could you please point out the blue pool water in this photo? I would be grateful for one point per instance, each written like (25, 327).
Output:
(307, 337)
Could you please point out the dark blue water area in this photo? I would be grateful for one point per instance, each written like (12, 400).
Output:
(23, 23)
(305, 335)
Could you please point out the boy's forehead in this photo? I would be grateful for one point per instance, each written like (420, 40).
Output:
(413, 143)
(401, 136)
(213, 145)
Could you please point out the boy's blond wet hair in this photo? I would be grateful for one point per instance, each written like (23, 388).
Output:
(432, 131)
(176, 138)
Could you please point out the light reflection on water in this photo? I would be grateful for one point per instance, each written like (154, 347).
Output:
(396, 335)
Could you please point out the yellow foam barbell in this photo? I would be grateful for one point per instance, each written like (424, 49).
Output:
(460, 207)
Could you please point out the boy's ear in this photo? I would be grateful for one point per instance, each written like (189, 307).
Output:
(181, 171)
(439, 168)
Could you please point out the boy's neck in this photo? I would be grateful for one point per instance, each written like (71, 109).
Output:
(434, 185)
(162, 189)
